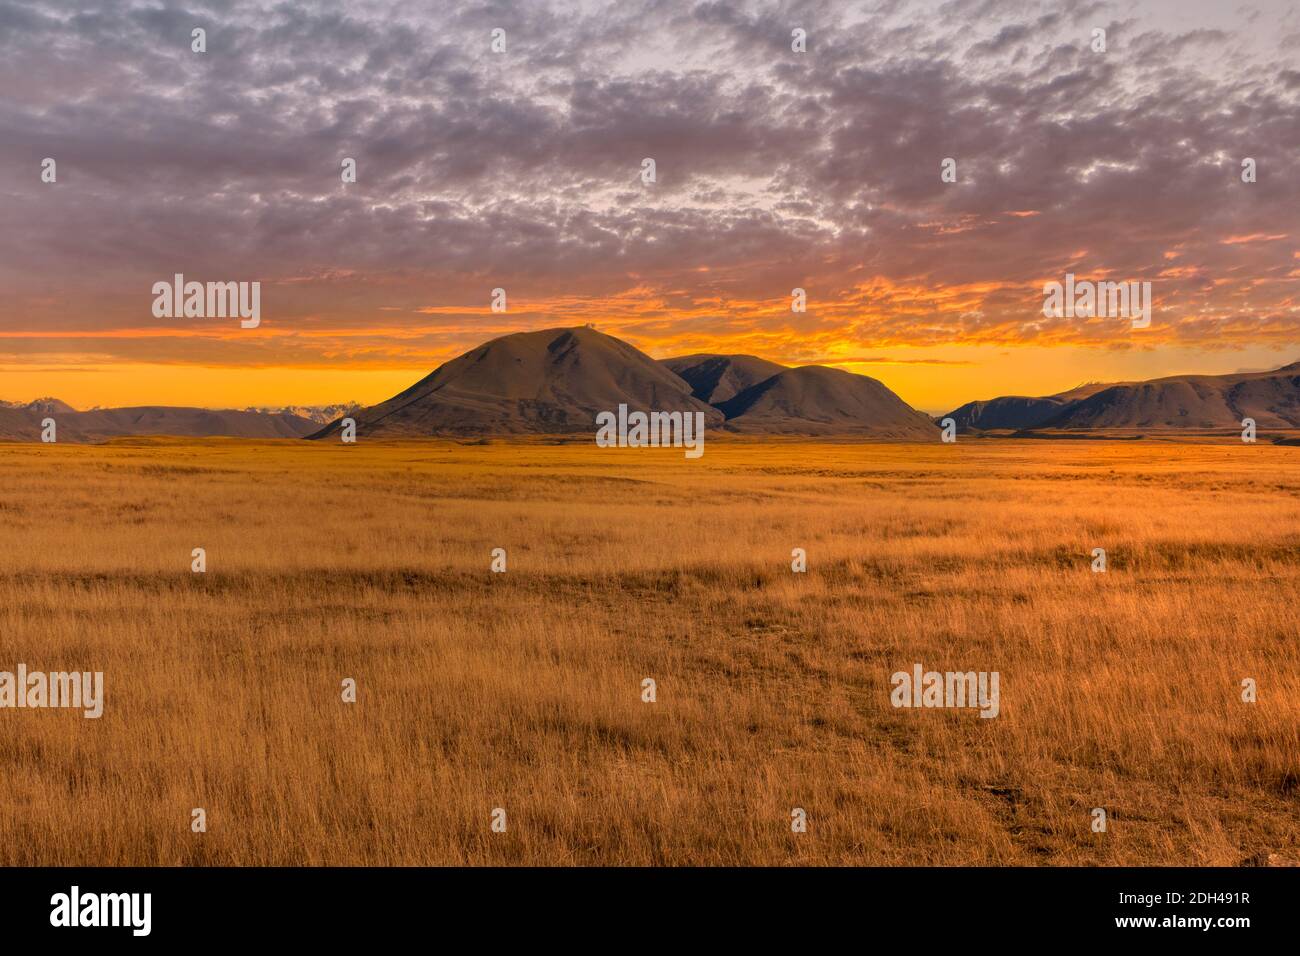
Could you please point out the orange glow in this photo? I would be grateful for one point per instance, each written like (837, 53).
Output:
(937, 346)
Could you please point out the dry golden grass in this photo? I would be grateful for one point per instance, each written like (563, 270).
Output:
(522, 690)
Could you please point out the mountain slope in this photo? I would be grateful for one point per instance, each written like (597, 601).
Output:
(23, 422)
(1021, 411)
(18, 424)
(551, 381)
(320, 414)
(1272, 398)
(104, 423)
(815, 400)
(716, 378)
(1191, 401)
(42, 406)
(1008, 411)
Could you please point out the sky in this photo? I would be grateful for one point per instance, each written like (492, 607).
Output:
(522, 170)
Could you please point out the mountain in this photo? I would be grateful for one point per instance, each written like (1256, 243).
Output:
(1181, 401)
(558, 380)
(22, 422)
(1009, 411)
(99, 424)
(1085, 390)
(547, 382)
(18, 424)
(320, 414)
(1272, 399)
(816, 400)
(1021, 411)
(716, 378)
(41, 406)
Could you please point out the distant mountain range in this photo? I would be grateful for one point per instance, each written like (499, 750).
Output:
(321, 414)
(1209, 402)
(556, 381)
(22, 422)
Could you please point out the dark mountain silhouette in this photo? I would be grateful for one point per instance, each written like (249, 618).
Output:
(1021, 411)
(557, 380)
(1272, 398)
(23, 422)
(1009, 411)
(716, 378)
(547, 382)
(816, 400)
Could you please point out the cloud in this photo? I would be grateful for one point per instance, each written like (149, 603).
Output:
(775, 170)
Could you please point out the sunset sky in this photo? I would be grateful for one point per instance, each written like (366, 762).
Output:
(521, 170)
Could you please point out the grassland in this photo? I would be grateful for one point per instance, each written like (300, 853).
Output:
(522, 690)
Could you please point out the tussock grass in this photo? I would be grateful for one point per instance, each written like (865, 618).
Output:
(522, 690)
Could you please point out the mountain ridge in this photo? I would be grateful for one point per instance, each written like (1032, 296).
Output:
(555, 381)
(23, 422)
(549, 381)
(717, 377)
(819, 400)
(1172, 402)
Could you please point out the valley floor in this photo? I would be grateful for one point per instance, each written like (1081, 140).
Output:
(523, 690)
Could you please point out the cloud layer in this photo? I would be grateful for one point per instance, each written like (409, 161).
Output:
(521, 170)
